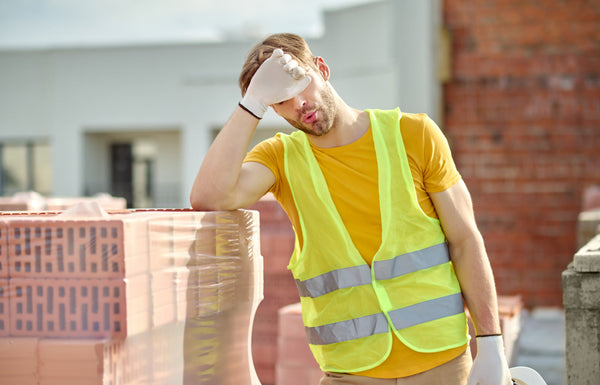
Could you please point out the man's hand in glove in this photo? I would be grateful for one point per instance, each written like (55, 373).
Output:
(279, 78)
(490, 366)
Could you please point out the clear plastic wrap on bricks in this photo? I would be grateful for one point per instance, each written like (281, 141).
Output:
(128, 296)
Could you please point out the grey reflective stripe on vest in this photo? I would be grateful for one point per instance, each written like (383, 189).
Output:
(411, 262)
(334, 280)
(361, 275)
(347, 330)
(376, 323)
(427, 311)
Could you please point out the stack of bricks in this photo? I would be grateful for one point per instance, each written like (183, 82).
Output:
(136, 297)
(277, 244)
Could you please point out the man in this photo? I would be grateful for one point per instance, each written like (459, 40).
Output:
(386, 242)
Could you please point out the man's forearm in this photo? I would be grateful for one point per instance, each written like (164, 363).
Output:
(477, 283)
(218, 175)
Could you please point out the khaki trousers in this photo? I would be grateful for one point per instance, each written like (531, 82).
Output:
(453, 372)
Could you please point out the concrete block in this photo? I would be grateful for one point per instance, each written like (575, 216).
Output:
(580, 290)
(588, 226)
(581, 300)
(587, 259)
(582, 346)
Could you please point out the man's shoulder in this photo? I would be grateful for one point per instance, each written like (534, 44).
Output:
(416, 118)
(269, 148)
(411, 118)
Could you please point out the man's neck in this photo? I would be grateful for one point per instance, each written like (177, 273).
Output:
(349, 125)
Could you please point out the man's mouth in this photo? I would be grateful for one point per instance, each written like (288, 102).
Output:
(309, 117)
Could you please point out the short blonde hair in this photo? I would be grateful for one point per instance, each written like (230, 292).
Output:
(290, 43)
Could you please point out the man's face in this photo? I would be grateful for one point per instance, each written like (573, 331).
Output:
(313, 110)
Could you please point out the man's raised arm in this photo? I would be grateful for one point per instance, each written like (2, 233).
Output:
(224, 182)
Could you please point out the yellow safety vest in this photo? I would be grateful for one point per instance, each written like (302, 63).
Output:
(349, 308)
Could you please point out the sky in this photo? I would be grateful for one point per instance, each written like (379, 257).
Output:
(50, 23)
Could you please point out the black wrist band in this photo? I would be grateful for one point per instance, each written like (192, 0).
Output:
(488, 335)
(248, 111)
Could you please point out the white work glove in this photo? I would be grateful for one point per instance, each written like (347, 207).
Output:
(279, 78)
(490, 366)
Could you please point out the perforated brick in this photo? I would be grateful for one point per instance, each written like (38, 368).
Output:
(76, 307)
(3, 250)
(4, 307)
(69, 248)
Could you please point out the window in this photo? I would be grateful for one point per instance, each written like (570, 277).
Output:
(25, 166)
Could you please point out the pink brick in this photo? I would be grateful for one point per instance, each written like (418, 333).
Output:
(173, 232)
(285, 375)
(88, 369)
(160, 242)
(11, 204)
(136, 243)
(70, 381)
(3, 249)
(51, 349)
(17, 348)
(290, 321)
(74, 308)
(20, 380)
(97, 361)
(47, 245)
(314, 375)
(169, 295)
(294, 352)
(75, 249)
(18, 360)
(106, 202)
(4, 307)
(167, 350)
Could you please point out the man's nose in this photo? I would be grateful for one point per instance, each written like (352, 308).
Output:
(298, 102)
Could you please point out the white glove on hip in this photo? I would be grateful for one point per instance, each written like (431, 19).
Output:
(279, 78)
(490, 366)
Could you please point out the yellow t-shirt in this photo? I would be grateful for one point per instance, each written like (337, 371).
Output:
(351, 174)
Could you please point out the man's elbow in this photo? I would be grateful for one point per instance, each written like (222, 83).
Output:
(207, 202)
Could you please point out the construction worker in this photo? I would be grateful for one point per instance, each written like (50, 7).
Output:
(387, 247)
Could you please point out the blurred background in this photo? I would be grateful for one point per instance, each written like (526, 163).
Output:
(125, 97)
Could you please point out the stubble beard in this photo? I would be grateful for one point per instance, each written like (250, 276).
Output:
(327, 116)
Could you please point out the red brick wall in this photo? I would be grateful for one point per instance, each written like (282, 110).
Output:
(522, 113)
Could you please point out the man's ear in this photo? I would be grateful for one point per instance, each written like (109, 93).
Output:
(322, 67)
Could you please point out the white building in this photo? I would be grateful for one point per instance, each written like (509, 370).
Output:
(135, 121)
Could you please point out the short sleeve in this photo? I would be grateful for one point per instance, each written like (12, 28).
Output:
(440, 172)
(429, 153)
(270, 154)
